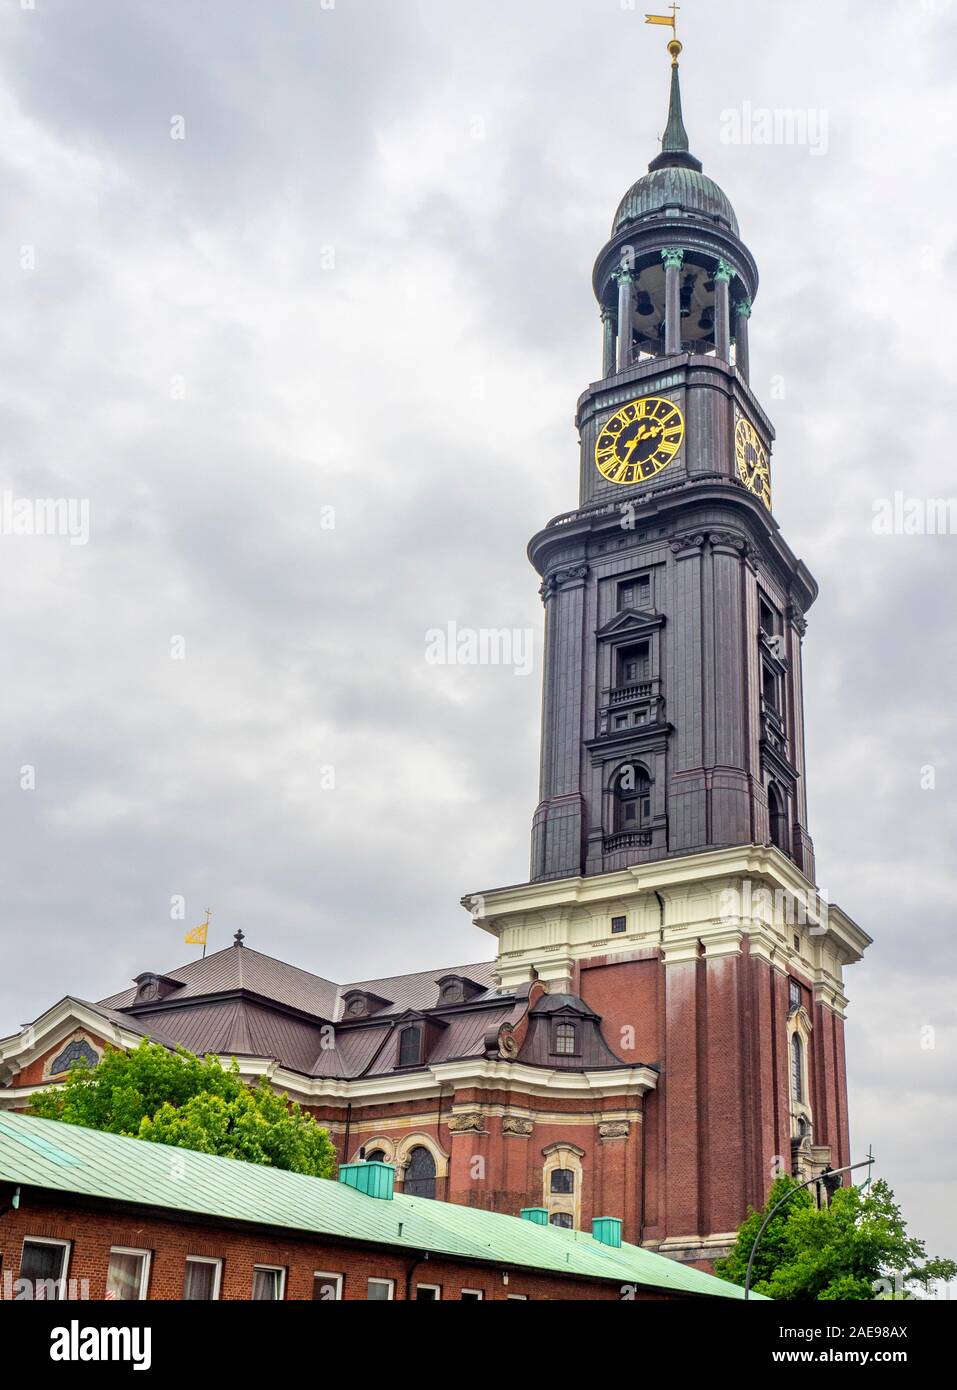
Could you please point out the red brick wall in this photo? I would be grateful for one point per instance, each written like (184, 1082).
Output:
(93, 1232)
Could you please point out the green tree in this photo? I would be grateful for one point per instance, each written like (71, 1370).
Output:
(857, 1247)
(191, 1103)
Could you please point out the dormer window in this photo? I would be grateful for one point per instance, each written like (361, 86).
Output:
(564, 1039)
(410, 1047)
(359, 1003)
(456, 989)
(150, 987)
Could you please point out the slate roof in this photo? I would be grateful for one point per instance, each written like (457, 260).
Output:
(51, 1156)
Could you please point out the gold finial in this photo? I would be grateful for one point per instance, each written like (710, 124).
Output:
(674, 46)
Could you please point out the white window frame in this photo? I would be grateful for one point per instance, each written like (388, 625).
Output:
(516, 1298)
(218, 1277)
(472, 1293)
(333, 1279)
(274, 1269)
(65, 1245)
(147, 1258)
(436, 1289)
(390, 1285)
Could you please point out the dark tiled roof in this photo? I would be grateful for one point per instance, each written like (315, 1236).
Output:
(421, 990)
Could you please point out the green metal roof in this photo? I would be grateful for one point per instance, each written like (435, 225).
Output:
(65, 1158)
(680, 188)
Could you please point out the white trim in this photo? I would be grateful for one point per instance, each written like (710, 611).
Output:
(436, 1289)
(217, 1277)
(476, 1294)
(332, 1279)
(273, 1269)
(65, 1245)
(145, 1255)
(390, 1283)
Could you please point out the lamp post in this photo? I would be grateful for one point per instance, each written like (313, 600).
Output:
(826, 1177)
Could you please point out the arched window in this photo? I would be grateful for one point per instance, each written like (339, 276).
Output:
(633, 798)
(375, 1156)
(563, 1219)
(797, 1067)
(420, 1174)
(777, 811)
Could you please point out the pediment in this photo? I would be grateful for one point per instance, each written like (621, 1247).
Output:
(631, 622)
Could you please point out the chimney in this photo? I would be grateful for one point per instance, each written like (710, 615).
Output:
(373, 1179)
(537, 1215)
(607, 1230)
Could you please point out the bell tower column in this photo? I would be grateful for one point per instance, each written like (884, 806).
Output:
(609, 331)
(673, 259)
(722, 311)
(626, 315)
(742, 350)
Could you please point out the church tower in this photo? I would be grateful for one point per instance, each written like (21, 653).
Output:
(672, 883)
(675, 610)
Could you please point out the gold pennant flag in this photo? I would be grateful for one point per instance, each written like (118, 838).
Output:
(197, 937)
(669, 19)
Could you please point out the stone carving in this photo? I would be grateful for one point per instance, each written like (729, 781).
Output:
(561, 577)
(614, 1129)
(673, 258)
(691, 541)
(469, 1122)
(517, 1125)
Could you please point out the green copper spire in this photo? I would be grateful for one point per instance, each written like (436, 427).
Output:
(675, 147)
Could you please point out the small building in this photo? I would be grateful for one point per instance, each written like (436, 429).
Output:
(90, 1215)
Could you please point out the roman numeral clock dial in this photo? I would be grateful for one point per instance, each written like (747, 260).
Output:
(641, 439)
(752, 460)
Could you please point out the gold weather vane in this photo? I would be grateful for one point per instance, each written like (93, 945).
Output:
(674, 46)
(198, 936)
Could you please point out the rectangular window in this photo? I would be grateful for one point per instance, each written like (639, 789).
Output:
(634, 665)
(769, 687)
(43, 1263)
(128, 1274)
(619, 925)
(429, 1293)
(635, 593)
(472, 1294)
(516, 1298)
(794, 995)
(269, 1284)
(203, 1277)
(326, 1288)
(381, 1290)
(410, 1047)
(768, 618)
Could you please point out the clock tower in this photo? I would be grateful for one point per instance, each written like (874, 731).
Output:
(672, 888)
(675, 609)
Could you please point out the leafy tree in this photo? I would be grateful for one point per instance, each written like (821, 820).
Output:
(855, 1248)
(191, 1103)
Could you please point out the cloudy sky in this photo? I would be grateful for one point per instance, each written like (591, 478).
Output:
(297, 296)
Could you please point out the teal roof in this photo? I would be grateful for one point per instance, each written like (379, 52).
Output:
(687, 190)
(65, 1158)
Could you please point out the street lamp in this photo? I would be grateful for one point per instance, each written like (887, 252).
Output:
(828, 1179)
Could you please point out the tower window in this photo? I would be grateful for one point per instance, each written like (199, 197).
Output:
(562, 1181)
(794, 995)
(769, 619)
(410, 1047)
(565, 1040)
(636, 593)
(769, 687)
(778, 817)
(634, 799)
(619, 925)
(634, 665)
(797, 1067)
(564, 1219)
(420, 1174)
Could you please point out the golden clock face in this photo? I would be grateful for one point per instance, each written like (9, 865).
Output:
(639, 440)
(752, 460)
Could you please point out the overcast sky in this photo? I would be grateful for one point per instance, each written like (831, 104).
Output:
(314, 367)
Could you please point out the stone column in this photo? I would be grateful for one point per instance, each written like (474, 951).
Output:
(609, 327)
(626, 316)
(742, 352)
(673, 259)
(722, 311)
